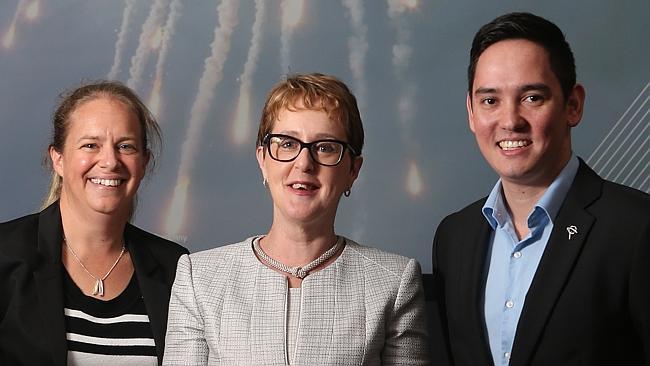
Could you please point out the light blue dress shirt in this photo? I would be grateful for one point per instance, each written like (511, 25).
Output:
(513, 262)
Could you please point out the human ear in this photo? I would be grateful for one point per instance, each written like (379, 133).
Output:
(575, 105)
(470, 112)
(357, 161)
(261, 157)
(57, 161)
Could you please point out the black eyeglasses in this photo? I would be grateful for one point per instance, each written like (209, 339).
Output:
(324, 152)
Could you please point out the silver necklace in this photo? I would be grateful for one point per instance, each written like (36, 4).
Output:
(299, 272)
(98, 288)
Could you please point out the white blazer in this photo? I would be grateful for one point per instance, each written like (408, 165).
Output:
(227, 308)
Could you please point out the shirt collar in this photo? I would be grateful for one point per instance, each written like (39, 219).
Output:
(495, 211)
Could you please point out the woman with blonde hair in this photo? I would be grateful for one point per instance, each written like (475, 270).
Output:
(301, 294)
(80, 285)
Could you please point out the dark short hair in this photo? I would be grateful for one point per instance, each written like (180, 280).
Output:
(315, 92)
(532, 28)
(113, 90)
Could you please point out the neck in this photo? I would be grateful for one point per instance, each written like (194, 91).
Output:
(95, 235)
(521, 196)
(295, 246)
(520, 200)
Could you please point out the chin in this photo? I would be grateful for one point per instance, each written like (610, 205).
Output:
(306, 215)
(107, 207)
(512, 170)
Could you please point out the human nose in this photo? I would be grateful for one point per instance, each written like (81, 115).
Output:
(109, 157)
(511, 118)
(304, 161)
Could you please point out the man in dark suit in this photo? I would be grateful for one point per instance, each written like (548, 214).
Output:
(553, 267)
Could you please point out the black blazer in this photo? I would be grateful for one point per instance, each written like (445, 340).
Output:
(589, 302)
(32, 325)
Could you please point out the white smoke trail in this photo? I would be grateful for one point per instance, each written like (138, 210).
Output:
(402, 49)
(402, 52)
(212, 75)
(292, 12)
(358, 47)
(127, 15)
(149, 28)
(33, 10)
(175, 8)
(10, 36)
(242, 123)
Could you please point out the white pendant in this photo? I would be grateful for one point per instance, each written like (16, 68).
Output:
(98, 289)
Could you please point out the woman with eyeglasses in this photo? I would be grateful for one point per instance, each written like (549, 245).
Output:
(301, 294)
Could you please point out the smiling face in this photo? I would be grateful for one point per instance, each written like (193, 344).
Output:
(303, 191)
(519, 115)
(103, 158)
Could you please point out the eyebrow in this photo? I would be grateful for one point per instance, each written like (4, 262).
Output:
(87, 137)
(97, 138)
(319, 136)
(541, 87)
(485, 91)
(535, 87)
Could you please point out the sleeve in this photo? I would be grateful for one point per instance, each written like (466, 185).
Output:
(185, 343)
(406, 333)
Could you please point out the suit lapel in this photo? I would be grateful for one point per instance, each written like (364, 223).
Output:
(155, 291)
(557, 263)
(471, 276)
(49, 285)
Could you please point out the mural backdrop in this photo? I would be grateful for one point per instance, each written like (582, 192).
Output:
(204, 67)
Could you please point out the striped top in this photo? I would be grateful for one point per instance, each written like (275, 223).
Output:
(115, 332)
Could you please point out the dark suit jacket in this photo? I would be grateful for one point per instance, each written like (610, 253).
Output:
(32, 325)
(589, 302)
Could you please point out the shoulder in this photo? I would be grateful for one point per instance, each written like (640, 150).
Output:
(459, 220)
(621, 212)
(163, 246)
(19, 253)
(625, 197)
(19, 235)
(151, 250)
(211, 271)
(380, 263)
(19, 226)
(606, 199)
(212, 259)
(388, 280)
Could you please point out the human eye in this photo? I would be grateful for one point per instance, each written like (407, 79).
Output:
(534, 99)
(328, 147)
(288, 144)
(127, 148)
(89, 146)
(489, 101)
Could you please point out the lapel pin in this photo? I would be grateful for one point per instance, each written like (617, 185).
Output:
(572, 230)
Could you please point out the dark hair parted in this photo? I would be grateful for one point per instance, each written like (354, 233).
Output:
(532, 28)
(314, 92)
(113, 90)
